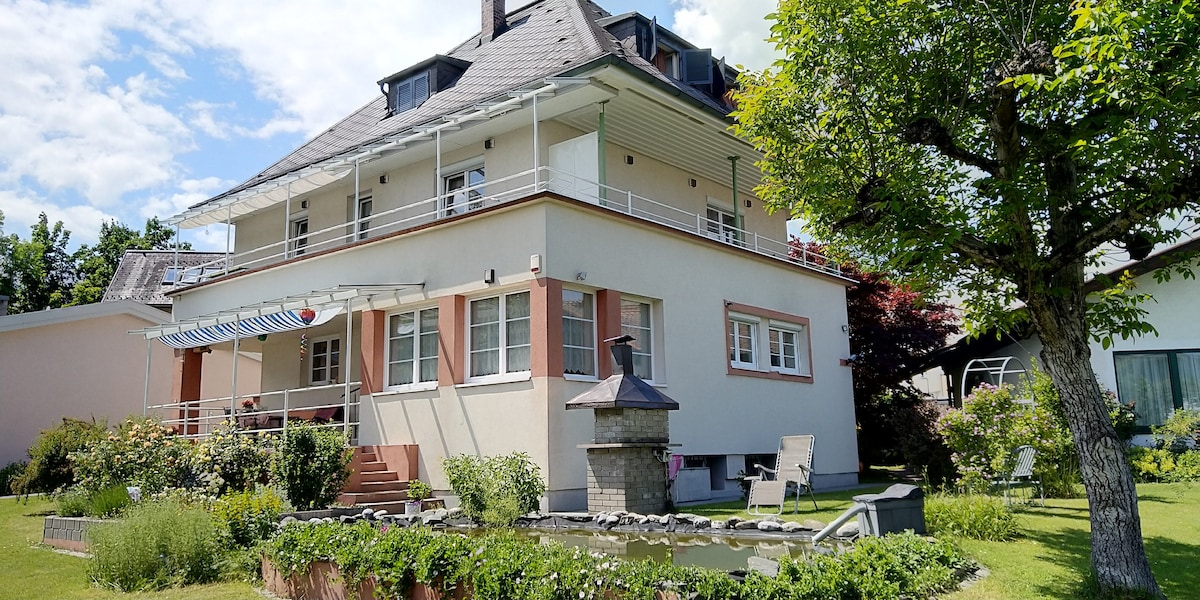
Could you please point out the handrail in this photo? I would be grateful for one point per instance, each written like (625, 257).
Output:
(543, 179)
(201, 414)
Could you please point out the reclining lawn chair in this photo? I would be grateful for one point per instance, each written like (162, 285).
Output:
(1021, 475)
(793, 464)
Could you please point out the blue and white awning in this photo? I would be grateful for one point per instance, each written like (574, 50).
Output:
(254, 326)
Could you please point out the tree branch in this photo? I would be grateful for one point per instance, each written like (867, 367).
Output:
(927, 131)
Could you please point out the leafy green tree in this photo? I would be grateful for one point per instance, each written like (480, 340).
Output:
(41, 269)
(8, 286)
(97, 264)
(998, 148)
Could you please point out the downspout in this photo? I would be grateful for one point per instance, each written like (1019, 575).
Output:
(737, 215)
(602, 154)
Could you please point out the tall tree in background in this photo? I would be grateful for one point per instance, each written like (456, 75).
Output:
(997, 148)
(8, 286)
(96, 265)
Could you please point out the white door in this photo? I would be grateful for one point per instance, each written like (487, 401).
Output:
(575, 168)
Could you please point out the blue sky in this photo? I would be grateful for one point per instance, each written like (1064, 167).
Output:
(127, 109)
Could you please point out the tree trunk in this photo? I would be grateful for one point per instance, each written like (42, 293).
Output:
(1118, 555)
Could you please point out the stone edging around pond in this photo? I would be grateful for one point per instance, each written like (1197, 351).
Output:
(770, 527)
(67, 533)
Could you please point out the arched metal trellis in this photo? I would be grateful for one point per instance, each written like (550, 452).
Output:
(997, 371)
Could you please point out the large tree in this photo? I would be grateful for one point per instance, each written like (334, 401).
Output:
(96, 265)
(997, 147)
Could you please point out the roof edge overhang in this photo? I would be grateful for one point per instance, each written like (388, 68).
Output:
(70, 314)
(425, 64)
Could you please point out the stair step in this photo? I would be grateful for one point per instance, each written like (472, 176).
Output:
(370, 467)
(355, 498)
(378, 476)
(365, 457)
(381, 486)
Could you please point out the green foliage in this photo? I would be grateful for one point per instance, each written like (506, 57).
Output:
(1151, 465)
(495, 489)
(143, 453)
(156, 545)
(418, 490)
(71, 503)
(311, 464)
(236, 460)
(37, 273)
(49, 458)
(248, 516)
(97, 264)
(501, 566)
(972, 516)
(108, 502)
(1180, 430)
(1123, 416)
(9, 475)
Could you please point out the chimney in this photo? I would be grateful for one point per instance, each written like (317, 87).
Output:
(493, 14)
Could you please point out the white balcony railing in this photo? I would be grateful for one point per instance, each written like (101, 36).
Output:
(520, 185)
(323, 406)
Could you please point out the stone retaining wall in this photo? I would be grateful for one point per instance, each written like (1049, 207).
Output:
(68, 533)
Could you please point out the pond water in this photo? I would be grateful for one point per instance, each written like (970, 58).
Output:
(723, 552)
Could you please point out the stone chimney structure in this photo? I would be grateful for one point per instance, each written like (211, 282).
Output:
(494, 22)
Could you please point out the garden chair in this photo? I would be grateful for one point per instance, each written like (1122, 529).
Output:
(793, 464)
(1021, 475)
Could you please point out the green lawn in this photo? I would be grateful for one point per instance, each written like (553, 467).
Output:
(28, 570)
(1051, 556)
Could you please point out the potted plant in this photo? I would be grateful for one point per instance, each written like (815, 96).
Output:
(417, 491)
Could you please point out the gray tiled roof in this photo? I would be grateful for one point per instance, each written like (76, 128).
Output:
(139, 277)
(555, 37)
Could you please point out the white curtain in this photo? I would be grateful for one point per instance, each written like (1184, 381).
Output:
(1145, 380)
(1189, 379)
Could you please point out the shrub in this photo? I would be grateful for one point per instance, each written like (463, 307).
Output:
(108, 502)
(495, 489)
(234, 460)
(157, 544)
(50, 467)
(1180, 430)
(248, 516)
(71, 503)
(1152, 465)
(311, 464)
(143, 453)
(418, 490)
(972, 516)
(9, 475)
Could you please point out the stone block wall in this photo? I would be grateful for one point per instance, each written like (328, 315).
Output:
(631, 479)
(614, 425)
(68, 533)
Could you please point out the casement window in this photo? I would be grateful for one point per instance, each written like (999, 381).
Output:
(579, 333)
(175, 275)
(325, 361)
(637, 321)
(299, 237)
(1158, 382)
(362, 217)
(721, 225)
(409, 93)
(412, 348)
(767, 343)
(499, 335)
(463, 190)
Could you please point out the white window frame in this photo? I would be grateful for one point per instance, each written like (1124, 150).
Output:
(751, 324)
(416, 358)
(463, 199)
(591, 324)
(762, 324)
(328, 354)
(647, 339)
(719, 229)
(297, 243)
(798, 334)
(503, 373)
(362, 223)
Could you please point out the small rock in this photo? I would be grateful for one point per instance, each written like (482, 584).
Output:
(345, 519)
(575, 517)
(770, 526)
(454, 513)
(848, 530)
(773, 518)
(719, 524)
(792, 527)
(287, 519)
(618, 513)
(314, 520)
(600, 516)
(646, 519)
(686, 517)
(665, 519)
(611, 520)
(655, 518)
(368, 513)
(702, 522)
(813, 525)
(751, 524)
(328, 519)
(733, 521)
(381, 513)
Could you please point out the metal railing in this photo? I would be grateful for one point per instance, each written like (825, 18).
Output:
(200, 418)
(512, 187)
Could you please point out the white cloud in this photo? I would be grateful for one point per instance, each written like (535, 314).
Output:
(21, 212)
(737, 30)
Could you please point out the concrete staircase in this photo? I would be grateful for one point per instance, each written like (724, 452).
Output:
(379, 478)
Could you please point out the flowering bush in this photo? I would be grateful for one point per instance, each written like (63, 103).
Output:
(990, 426)
(143, 453)
(232, 460)
(311, 464)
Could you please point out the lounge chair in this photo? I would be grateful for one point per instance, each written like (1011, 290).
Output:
(793, 464)
(1021, 475)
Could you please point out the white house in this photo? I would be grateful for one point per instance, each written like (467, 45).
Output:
(466, 241)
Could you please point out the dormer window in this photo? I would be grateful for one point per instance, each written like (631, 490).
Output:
(411, 87)
(408, 94)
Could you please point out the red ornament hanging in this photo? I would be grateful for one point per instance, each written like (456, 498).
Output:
(307, 315)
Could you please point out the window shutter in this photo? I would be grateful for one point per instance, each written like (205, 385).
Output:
(697, 66)
(653, 38)
(420, 89)
(404, 96)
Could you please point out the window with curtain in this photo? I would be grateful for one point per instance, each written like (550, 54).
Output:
(636, 322)
(1158, 383)
(412, 353)
(579, 333)
(499, 335)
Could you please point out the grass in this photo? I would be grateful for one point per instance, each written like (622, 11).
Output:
(33, 571)
(1049, 558)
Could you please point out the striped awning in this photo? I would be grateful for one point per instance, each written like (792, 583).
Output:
(254, 326)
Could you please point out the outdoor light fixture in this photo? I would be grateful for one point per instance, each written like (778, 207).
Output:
(581, 276)
(383, 179)
(489, 276)
(692, 182)
(629, 159)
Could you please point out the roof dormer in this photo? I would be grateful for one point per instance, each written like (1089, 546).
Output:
(411, 87)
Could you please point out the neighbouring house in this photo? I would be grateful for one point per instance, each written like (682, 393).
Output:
(1157, 373)
(81, 362)
(441, 267)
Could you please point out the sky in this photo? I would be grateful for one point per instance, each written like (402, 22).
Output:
(129, 109)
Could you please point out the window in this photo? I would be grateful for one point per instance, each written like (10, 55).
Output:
(579, 333)
(721, 225)
(362, 221)
(499, 335)
(636, 322)
(767, 343)
(1158, 382)
(743, 343)
(412, 355)
(299, 236)
(409, 93)
(325, 364)
(169, 276)
(463, 191)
